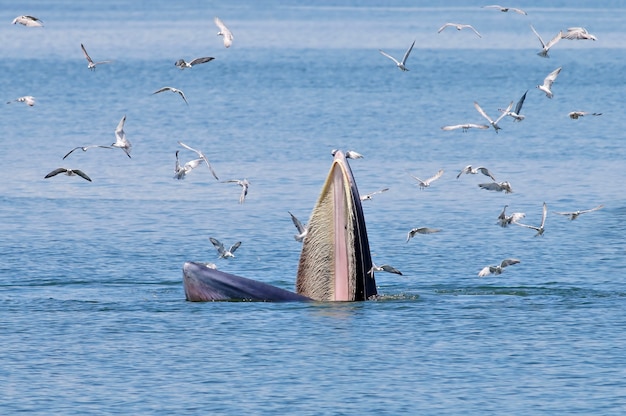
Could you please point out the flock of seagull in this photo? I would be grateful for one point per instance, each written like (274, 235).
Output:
(504, 220)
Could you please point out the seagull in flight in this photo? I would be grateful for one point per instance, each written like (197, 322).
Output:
(400, 65)
(174, 90)
(459, 26)
(90, 63)
(181, 171)
(29, 21)
(27, 99)
(182, 64)
(498, 269)
(244, 187)
(541, 228)
(120, 138)
(470, 170)
(505, 220)
(545, 47)
(573, 215)
(506, 9)
(369, 196)
(223, 253)
(516, 114)
(426, 183)
(383, 268)
(548, 81)
(85, 148)
(68, 172)
(421, 230)
(575, 114)
(465, 127)
(202, 156)
(224, 32)
(302, 229)
(577, 33)
(494, 124)
(497, 186)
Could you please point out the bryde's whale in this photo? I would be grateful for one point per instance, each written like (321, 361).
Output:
(334, 262)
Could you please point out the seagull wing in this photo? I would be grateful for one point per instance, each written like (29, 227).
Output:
(81, 174)
(519, 11)
(55, 172)
(547, 82)
(475, 31)
(520, 103)
(162, 89)
(192, 164)
(225, 32)
(299, 226)
(504, 113)
(182, 94)
(485, 172)
(86, 54)
(218, 245)
(544, 214)
(390, 269)
(492, 186)
(434, 177)
(466, 169)
(199, 153)
(592, 209)
(389, 56)
(445, 26)
(508, 262)
(486, 271)
(407, 53)
(482, 112)
(543, 45)
(201, 60)
(554, 40)
(234, 247)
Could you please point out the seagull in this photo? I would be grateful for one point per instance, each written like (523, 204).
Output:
(223, 252)
(505, 220)
(68, 172)
(465, 127)
(494, 124)
(383, 268)
(27, 99)
(244, 188)
(175, 90)
(182, 171)
(120, 138)
(497, 186)
(575, 114)
(350, 154)
(225, 32)
(506, 9)
(516, 114)
(29, 21)
(545, 47)
(573, 215)
(577, 33)
(470, 170)
(182, 64)
(541, 228)
(302, 229)
(426, 183)
(202, 156)
(497, 269)
(85, 148)
(400, 65)
(547, 82)
(459, 26)
(369, 196)
(421, 230)
(90, 63)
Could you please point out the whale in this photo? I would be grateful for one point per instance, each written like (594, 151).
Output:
(335, 261)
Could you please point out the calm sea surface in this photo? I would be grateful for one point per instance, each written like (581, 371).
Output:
(93, 317)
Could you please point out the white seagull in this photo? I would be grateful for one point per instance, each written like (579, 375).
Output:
(470, 170)
(497, 269)
(181, 171)
(573, 215)
(545, 47)
(85, 148)
(575, 114)
(548, 81)
(120, 138)
(541, 228)
(505, 220)
(224, 32)
(465, 127)
(223, 253)
(182, 64)
(383, 268)
(497, 186)
(459, 26)
(426, 183)
(369, 196)
(578, 33)
(494, 124)
(202, 156)
(516, 114)
(421, 230)
(27, 99)
(400, 65)
(68, 172)
(244, 187)
(302, 229)
(90, 63)
(29, 21)
(506, 9)
(174, 90)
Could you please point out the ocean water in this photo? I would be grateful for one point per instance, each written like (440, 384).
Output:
(93, 314)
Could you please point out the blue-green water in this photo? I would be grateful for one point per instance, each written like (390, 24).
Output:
(93, 314)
